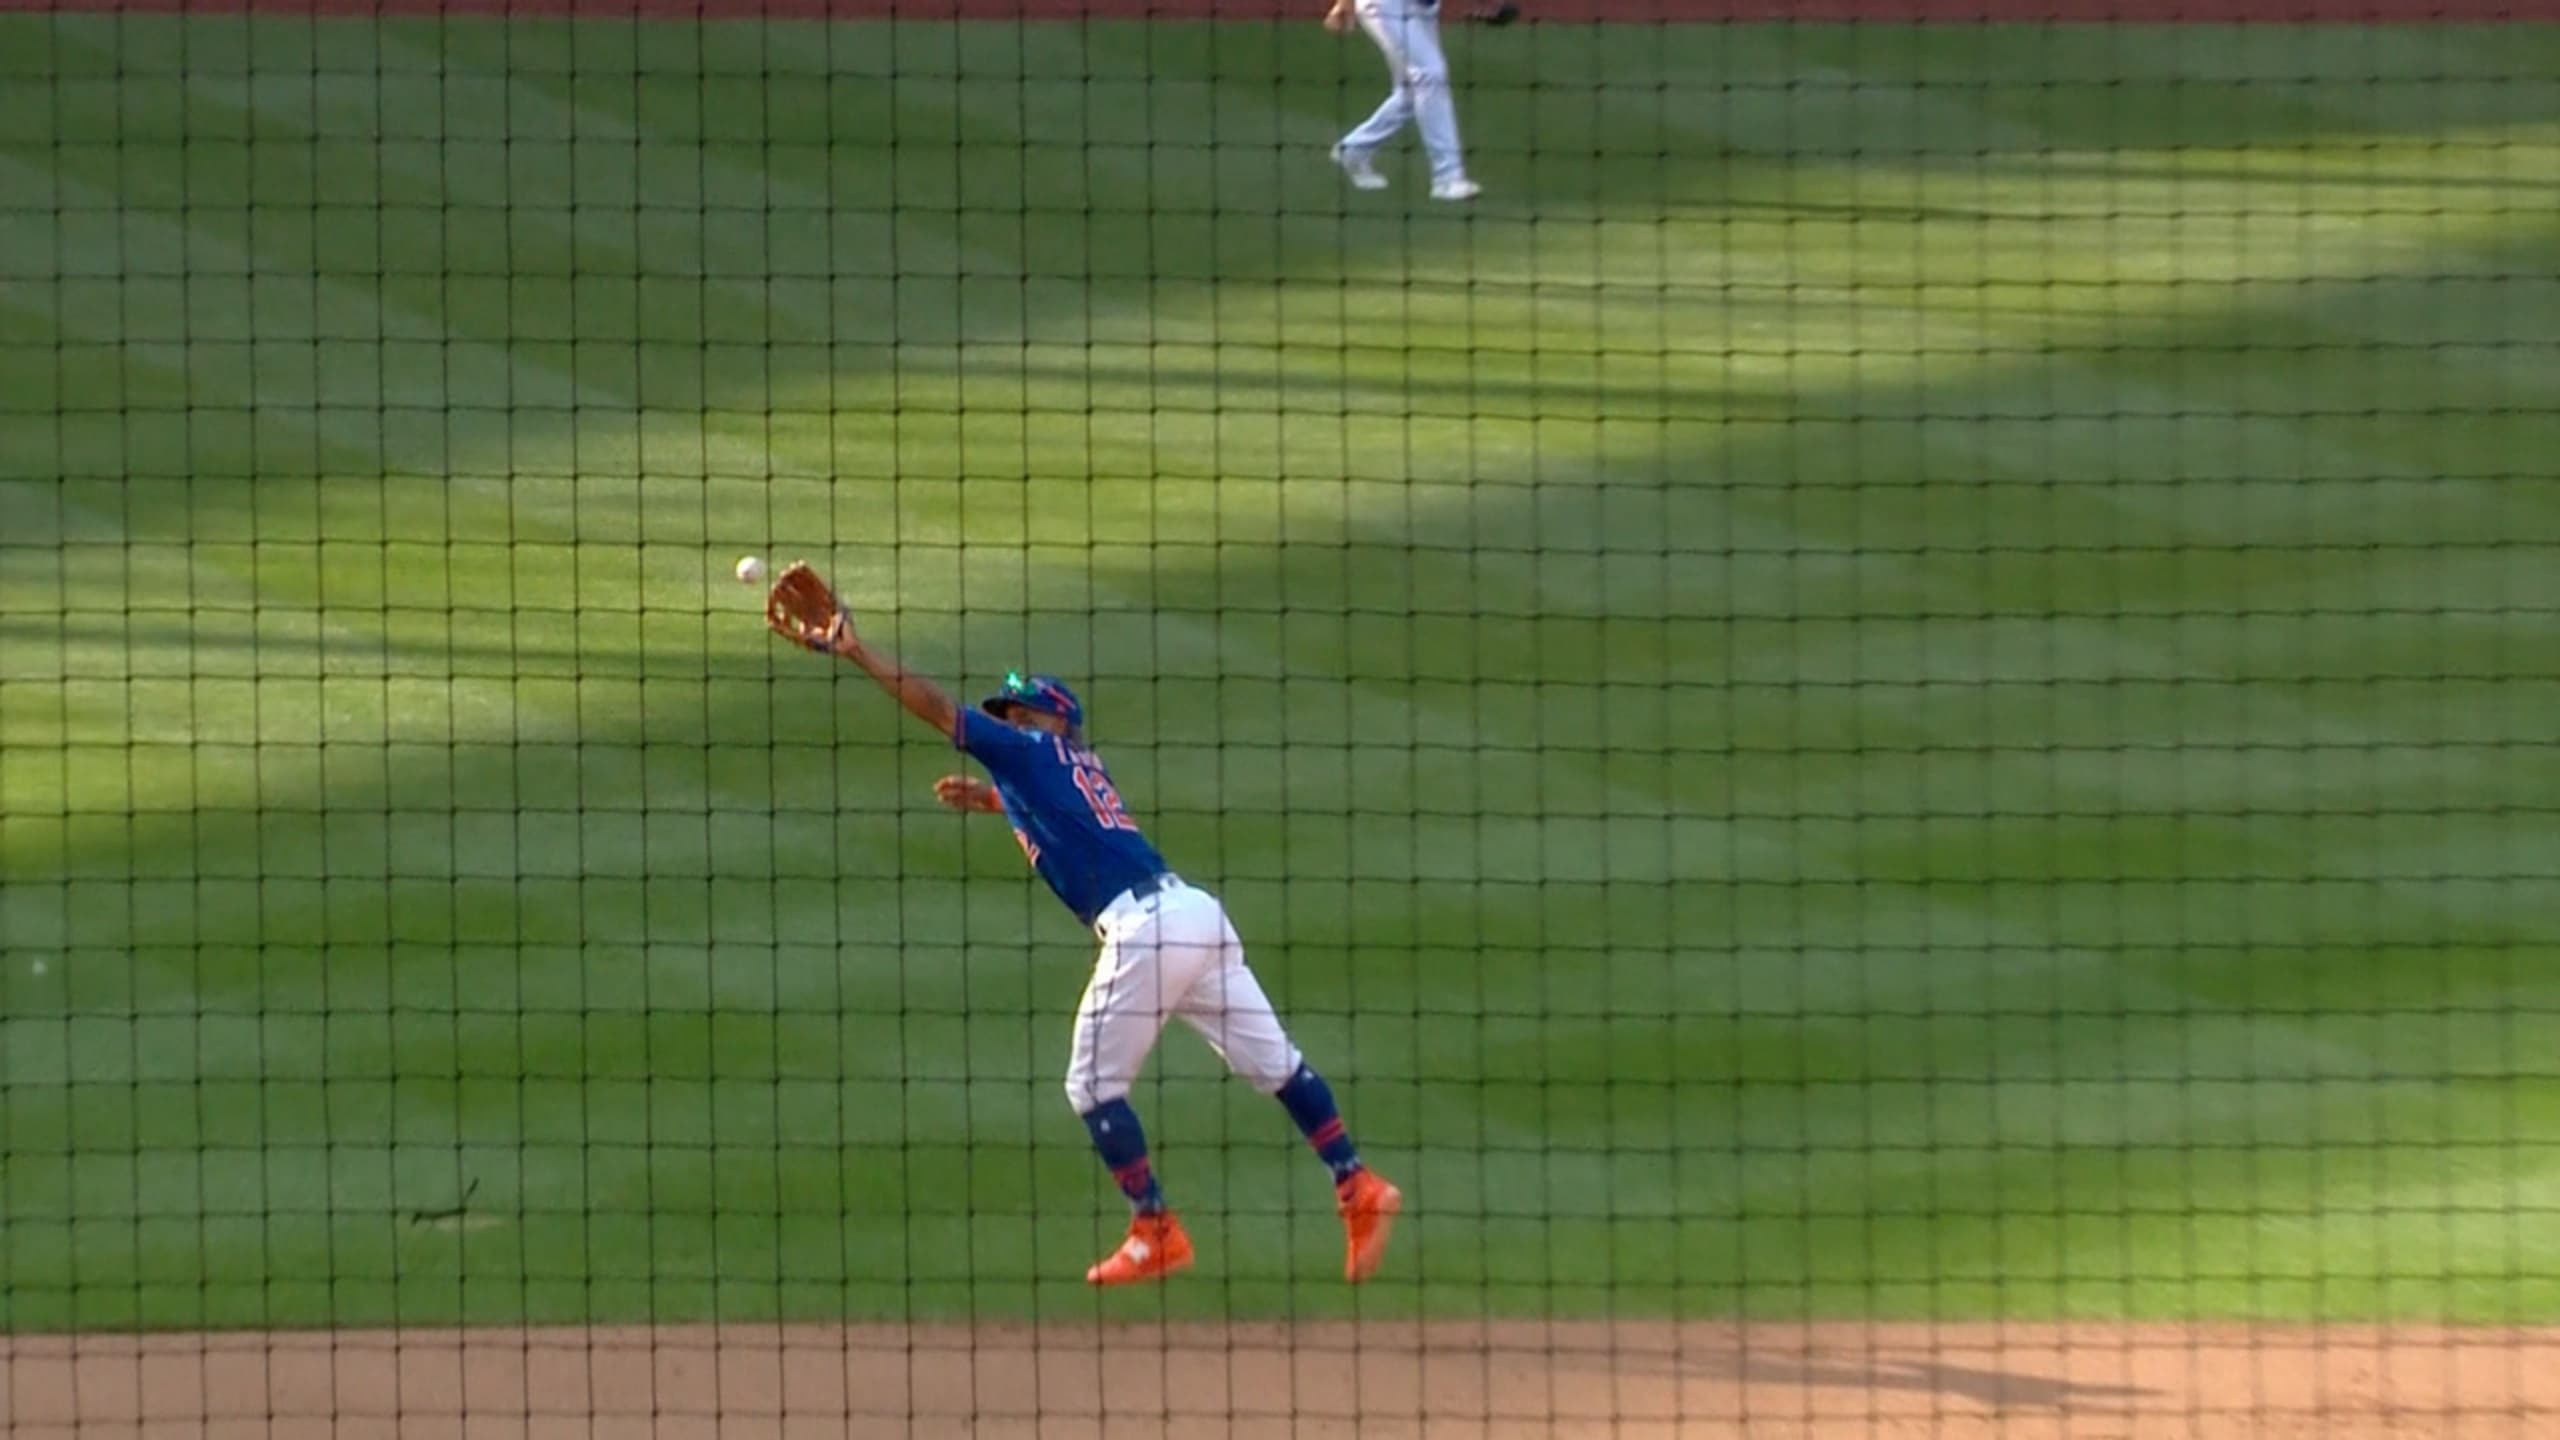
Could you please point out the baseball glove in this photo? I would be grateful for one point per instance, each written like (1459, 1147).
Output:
(801, 609)
(1501, 14)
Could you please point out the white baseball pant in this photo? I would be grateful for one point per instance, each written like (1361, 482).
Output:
(1408, 33)
(1171, 955)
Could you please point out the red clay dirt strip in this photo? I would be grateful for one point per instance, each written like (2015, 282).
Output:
(1426, 1381)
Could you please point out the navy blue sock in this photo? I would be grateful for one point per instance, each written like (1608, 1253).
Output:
(1310, 1102)
(1122, 1143)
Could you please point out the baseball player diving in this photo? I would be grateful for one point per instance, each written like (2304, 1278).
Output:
(1168, 951)
(1408, 33)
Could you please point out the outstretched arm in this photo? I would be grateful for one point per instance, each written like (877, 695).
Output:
(803, 610)
(922, 698)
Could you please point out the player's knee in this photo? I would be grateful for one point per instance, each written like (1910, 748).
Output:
(1085, 1091)
(1269, 1071)
(1425, 79)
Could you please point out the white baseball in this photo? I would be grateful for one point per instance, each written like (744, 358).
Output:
(750, 570)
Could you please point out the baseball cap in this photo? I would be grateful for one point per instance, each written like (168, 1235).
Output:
(1044, 693)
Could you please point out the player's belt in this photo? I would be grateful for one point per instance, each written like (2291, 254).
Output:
(1152, 885)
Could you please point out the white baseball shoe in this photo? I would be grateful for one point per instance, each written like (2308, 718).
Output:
(1459, 188)
(1357, 165)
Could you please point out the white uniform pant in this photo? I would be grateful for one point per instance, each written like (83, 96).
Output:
(1171, 955)
(1408, 33)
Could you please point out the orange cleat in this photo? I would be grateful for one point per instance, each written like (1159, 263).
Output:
(1369, 1205)
(1156, 1248)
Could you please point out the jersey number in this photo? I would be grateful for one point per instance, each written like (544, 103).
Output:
(1107, 809)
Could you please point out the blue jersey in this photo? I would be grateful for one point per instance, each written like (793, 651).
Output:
(1064, 812)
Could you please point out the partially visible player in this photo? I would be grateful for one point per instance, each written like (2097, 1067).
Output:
(1168, 951)
(1408, 33)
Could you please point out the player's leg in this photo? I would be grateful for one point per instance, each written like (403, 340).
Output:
(1354, 150)
(1229, 1008)
(1435, 109)
(1113, 1035)
(1135, 982)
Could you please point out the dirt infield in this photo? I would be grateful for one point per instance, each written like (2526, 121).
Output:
(1404, 1379)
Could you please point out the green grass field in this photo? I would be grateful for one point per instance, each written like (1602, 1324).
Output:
(1913, 676)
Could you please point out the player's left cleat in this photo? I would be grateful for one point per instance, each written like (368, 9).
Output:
(1362, 170)
(1369, 1205)
(1460, 188)
(1155, 1248)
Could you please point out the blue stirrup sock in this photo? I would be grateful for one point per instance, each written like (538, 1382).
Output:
(1122, 1144)
(1309, 1101)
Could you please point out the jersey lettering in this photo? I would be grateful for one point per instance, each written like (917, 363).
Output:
(1108, 812)
(1068, 818)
